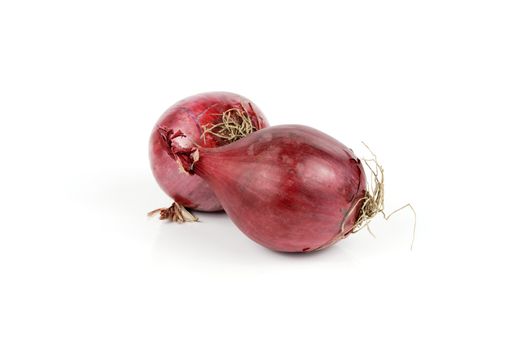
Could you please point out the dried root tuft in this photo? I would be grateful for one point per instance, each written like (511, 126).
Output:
(373, 201)
(235, 125)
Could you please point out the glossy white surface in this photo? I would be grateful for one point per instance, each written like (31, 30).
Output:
(436, 90)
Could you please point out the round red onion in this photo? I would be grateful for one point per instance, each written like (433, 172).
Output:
(192, 116)
(290, 188)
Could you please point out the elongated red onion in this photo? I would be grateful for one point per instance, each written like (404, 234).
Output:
(290, 188)
(192, 116)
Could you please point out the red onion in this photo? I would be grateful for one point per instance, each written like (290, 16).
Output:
(290, 188)
(192, 116)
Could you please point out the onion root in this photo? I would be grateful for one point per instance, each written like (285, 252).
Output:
(235, 125)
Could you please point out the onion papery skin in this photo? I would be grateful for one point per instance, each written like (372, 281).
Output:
(290, 188)
(190, 116)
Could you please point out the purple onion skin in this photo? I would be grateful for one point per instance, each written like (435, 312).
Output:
(289, 187)
(189, 116)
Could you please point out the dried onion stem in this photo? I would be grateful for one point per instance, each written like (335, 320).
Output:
(175, 212)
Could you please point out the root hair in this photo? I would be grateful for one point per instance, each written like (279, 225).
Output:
(373, 201)
(235, 125)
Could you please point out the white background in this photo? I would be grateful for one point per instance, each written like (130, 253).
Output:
(436, 88)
